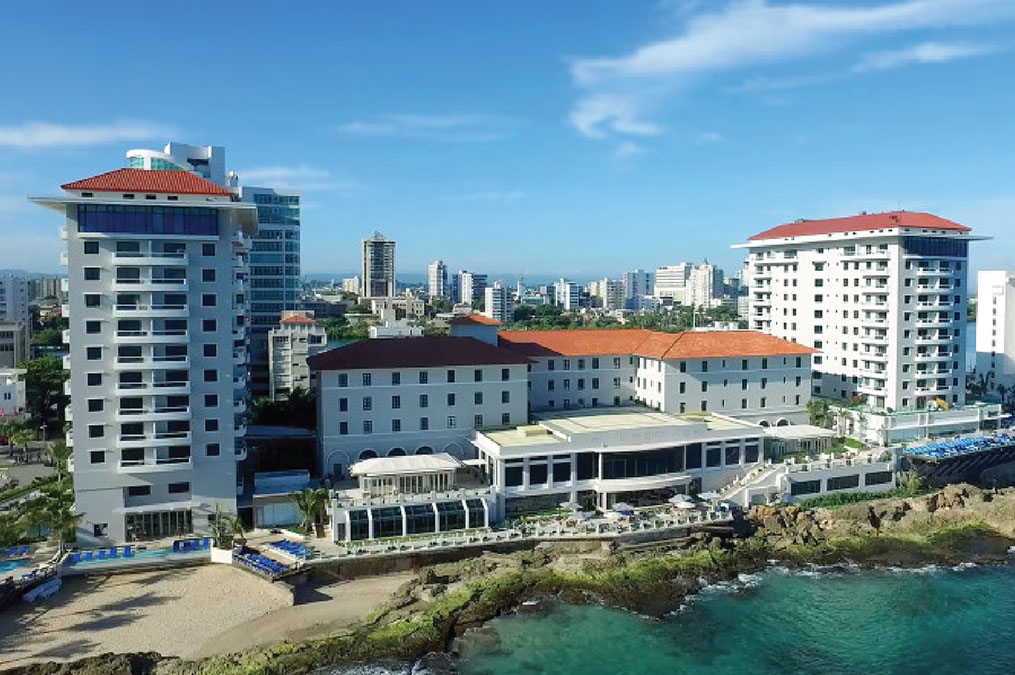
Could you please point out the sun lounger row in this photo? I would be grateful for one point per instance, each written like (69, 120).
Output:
(111, 553)
(259, 563)
(188, 545)
(290, 547)
(962, 446)
(15, 552)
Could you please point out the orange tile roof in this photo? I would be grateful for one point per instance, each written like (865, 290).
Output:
(297, 318)
(142, 180)
(861, 223)
(481, 319)
(651, 344)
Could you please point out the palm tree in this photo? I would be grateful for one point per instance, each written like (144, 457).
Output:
(310, 502)
(55, 511)
(59, 453)
(7, 430)
(23, 437)
(227, 528)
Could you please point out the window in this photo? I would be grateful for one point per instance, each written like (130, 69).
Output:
(805, 487)
(211, 425)
(343, 404)
(93, 299)
(211, 350)
(477, 375)
(422, 377)
(343, 380)
(209, 325)
(424, 423)
(396, 379)
(97, 456)
(743, 364)
(211, 375)
(212, 449)
(451, 422)
(343, 428)
(683, 366)
(368, 403)
(93, 327)
(139, 490)
(211, 400)
(505, 374)
(96, 430)
(208, 250)
(91, 247)
(451, 376)
(93, 353)
(208, 299)
(94, 379)
(95, 404)
(178, 488)
(477, 421)
(366, 379)
(396, 402)
(505, 396)
(91, 274)
(477, 398)
(208, 275)
(451, 399)
(424, 400)
(843, 482)
(396, 425)
(368, 427)
(595, 362)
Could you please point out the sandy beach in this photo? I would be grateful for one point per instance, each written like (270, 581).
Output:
(197, 611)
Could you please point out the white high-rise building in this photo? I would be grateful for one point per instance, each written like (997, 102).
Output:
(567, 294)
(671, 283)
(378, 270)
(882, 296)
(273, 283)
(469, 287)
(607, 293)
(16, 315)
(995, 329)
(497, 305)
(705, 285)
(638, 282)
(157, 308)
(437, 280)
(297, 337)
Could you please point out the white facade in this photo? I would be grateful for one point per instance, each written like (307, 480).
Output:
(638, 282)
(497, 304)
(607, 293)
(437, 280)
(296, 338)
(567, 295)
(469, 287)
(391, 327)
(12, 391)
(378, 267)
(352, 285)
(157, 359)
(705, 285)
(995, 329)
(671, 283)
(883, 297)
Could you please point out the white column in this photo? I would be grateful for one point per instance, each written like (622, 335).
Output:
(405, 522)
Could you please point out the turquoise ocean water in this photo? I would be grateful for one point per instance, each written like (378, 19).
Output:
(899, 622)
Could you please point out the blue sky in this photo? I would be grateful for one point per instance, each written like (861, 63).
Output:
(580, 137)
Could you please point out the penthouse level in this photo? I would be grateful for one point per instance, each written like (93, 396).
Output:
(753, 376)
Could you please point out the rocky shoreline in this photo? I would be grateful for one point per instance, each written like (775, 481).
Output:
(960, 524)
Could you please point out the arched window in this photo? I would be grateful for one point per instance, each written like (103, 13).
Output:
(765, 423)
(396, 452)
(367, 454)
(424, 450)
(782, 423)
(453, 449)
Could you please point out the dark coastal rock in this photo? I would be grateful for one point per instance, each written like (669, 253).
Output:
(104, 664)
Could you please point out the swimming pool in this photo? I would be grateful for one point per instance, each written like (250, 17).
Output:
(8, 565)
(137, 555)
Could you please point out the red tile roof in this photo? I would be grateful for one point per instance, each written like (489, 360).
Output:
(652, 344)
(480, 319)
(414, 352)
(142, 180)
(862, 223)
(297, 318)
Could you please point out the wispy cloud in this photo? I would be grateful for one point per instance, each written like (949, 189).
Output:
(927, 52)
(461, 128)
(502, 197)
(710, 137)
(35, 135)
(298, 177)
(618, 94)
(628, 149)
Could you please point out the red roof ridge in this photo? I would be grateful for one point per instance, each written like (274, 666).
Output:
(144, 180)
(296, 318)
(863, 222)
(475, 317)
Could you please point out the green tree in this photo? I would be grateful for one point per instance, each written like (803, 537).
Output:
(299, 410)
(44, 388)
(226, 528)
(48, 337)
(59, 452)
(817, 411)
(310, 502)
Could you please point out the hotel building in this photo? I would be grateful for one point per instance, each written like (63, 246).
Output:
(157, 305)
(296, 338)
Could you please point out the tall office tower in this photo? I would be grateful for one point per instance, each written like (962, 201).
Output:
(469, 287)
(497, 303)
(15, 301)
(671, 283)
(705, 285)
(883, 296)
(157, 304)
(378, 276)
(437, 280)
(638, 282)
(567, 294)
(274, 275)
(995, 329)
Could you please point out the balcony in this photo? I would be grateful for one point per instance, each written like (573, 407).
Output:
(164, 414)
(66, 361)
(63, 233)
(64, 262)
(240, 406)
(65, 311)
(152, 363)
(239, 357)
(241, 454)
(240, 429)
(160, 336)
(154, 284)
(156, 438)
(66, 336)
(156, 464)
(240, 333)
(152, 258)
(137, 311)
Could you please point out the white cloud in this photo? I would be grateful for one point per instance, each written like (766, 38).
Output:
(502, 197)
(298, 177)
(746, 33)
(34, 135)
(927, 52)
(628, 149)
(452, 127)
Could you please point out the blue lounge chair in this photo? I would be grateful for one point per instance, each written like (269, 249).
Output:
(102, 554)
(112, 552)
(24, 550)
(88, 556)
(128, 551)
(73, 558)
(176, 547)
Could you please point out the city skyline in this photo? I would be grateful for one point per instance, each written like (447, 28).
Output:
(676, 120)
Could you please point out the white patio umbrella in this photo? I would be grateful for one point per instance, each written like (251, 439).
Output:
(680, 499)
(709, 495)
(687, 506)
(571, 506)
(623, 508)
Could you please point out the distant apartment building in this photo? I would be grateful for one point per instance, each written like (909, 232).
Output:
(352, 285)
(40, 288)
(469, 287)
(607, 293)
(437, 280)
(296, 338)
(995, 329)
(15, 301)
(567, 295)
(638, 282)
(13, 343)
(705, 285)
(157, 358)
(497, 303)
(671, 283)
(378, 267)
(12, 392)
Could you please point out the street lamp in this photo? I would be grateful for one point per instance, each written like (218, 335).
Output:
(43, 430)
